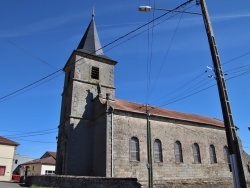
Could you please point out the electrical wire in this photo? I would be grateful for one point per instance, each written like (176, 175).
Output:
(150, 55)
(184, 85)
(29, 85)
(201, 90)
(39, 131)
(30, 135)
(29, 53)
(247, 53)
(165, 57)
(36, 141)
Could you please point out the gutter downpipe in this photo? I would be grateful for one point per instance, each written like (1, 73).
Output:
(112, 142)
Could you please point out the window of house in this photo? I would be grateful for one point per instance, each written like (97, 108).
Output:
(157, 151)
(16, 161)
(134, 149)
(226, 154)
(248, 168)
(95, 73)
(49, 172)
(2, 170)
(178, 152)
(196, 153)
(213, 158)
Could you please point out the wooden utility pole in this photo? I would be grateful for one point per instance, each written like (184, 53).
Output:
(232, 139)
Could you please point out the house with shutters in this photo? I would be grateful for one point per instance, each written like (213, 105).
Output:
(100, 135)
(7, 153)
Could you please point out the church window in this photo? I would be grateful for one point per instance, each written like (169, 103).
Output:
(196, 153)
(226, 154)
(212, 153)
(178, 152)
(134, 149)
(157, 151)
(95, 73)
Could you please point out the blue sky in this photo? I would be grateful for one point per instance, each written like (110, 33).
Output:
(164, 66)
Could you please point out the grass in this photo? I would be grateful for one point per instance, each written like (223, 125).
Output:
(36, 186)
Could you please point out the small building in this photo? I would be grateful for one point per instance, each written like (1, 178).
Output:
(7, 153)
(42, 166)
(18, 161)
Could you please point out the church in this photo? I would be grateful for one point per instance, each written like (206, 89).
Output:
(100, 135)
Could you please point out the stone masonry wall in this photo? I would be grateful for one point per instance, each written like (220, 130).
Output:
(81, 182)
(127, 125)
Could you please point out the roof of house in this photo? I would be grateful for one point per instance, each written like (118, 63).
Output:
(49, 154)
(156, 111)
(47, 160)
(49, 157)
(6, 141)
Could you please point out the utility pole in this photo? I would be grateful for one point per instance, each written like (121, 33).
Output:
(149, 151)
(232, 139)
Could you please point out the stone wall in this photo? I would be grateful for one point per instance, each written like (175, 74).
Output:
(81, 182)
(127, 125)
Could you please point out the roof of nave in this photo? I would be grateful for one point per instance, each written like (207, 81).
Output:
(156, 111)
(6, 141)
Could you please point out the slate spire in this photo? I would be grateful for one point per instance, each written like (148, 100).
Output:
(90, 42)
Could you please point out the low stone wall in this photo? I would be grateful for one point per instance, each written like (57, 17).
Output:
(81, 182)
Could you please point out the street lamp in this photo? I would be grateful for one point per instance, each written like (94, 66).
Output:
(249, 128)
(232, 139)
(149, 8)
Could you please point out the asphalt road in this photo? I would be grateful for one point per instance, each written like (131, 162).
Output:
(6, 184)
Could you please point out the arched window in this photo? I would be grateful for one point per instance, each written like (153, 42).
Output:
(226, 154)
(157, 151)
(212, 153)
(134, 149)
(196, 153)
(178, 152)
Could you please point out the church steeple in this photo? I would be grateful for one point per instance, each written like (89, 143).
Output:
(90, 42)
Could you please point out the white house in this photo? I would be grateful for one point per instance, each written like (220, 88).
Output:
(43, 166)
(7, 153)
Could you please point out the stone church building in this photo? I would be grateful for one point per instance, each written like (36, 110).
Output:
(100, 135)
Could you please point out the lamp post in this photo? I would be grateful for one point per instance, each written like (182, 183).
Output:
(232, 139)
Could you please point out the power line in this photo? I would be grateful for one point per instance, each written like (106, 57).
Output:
(29, 53)
(184, 85)
(21, 133)
(247, 53)
(29, 85)
(36, 141)
(181, 98)
(168, 49)
(11, 96)
(37, 134)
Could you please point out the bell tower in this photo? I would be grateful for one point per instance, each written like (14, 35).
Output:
(89, 74)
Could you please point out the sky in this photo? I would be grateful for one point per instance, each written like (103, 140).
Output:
(163, 64)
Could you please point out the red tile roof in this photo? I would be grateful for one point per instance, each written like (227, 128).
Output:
(6, 141)
(156, 111)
